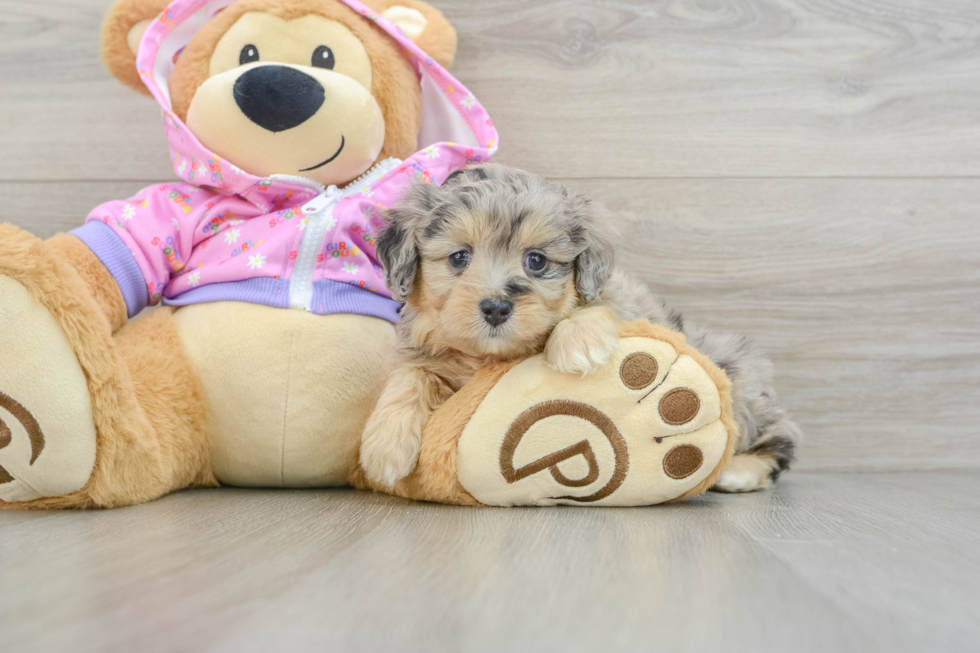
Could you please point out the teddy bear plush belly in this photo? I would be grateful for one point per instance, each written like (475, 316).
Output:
(287, 391)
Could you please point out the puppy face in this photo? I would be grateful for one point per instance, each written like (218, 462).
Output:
(490, 262)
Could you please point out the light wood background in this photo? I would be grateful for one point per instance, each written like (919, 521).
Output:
(804, 171)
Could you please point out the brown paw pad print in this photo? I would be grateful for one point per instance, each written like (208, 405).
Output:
(638, 370)
(682, 461)
(679, 406)
(582, 448)
(29, 424)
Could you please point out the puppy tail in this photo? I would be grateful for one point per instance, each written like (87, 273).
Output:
(780, 450)
(759, 466)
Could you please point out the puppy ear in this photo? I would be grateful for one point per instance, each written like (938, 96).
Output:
(122, 30)
(595, 264)
(453, 177)
(398, 248)
(479, 172)
(423, 24)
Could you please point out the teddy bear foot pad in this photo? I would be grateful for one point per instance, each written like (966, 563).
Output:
(47, 434)
(646, 428)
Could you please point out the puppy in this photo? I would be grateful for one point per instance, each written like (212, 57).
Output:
(498, 264)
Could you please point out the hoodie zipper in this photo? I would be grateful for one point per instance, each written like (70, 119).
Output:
(317, 213)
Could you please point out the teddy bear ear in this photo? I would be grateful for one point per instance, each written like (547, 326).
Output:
(122, 30)
(423, 24)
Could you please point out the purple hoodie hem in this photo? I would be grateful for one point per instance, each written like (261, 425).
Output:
(260, 290)
(338, 297)
(328, 297)
(120, 262)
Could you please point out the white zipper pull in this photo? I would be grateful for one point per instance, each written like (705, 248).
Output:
(321, 201)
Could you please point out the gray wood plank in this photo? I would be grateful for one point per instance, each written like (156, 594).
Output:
(730, 87)
(864, 292)
(625, 88)
(823, 563)
(62, 116)
(47, 208)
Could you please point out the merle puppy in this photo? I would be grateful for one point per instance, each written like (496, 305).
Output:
(497, 264)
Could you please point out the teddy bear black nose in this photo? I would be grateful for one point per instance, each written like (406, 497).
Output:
(496, 311)
(278, 98)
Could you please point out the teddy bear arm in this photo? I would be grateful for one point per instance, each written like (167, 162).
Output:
(100, 283)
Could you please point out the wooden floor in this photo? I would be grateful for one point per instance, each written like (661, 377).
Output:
(806, 172)
(826, 562)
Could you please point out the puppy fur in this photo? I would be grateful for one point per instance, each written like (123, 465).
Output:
(459, 254)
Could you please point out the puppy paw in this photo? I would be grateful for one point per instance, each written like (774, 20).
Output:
(389, 452)
(746, 473)
(582, 343)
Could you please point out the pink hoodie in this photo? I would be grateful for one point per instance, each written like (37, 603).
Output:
(224, 234)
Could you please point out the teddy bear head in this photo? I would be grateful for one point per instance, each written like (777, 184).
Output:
(307, 88)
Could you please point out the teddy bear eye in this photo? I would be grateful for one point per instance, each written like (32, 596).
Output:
(323, 57)
(249, 54)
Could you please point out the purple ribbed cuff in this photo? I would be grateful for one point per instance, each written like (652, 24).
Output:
(117, 258)
(338, 297)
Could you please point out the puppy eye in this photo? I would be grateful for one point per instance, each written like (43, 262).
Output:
(535, 261)
(459, 260)
(249, 54)
(323, 58)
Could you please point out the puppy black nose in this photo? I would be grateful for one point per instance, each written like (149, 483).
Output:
(496, 311)
(278, 98)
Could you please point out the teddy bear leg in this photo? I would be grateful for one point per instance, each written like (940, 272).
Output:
(150, 429)
(169, 449)
(85, 418)
(47, 434)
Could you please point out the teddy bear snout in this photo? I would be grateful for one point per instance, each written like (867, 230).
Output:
(278, 98)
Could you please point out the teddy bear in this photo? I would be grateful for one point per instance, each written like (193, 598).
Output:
(292, 124)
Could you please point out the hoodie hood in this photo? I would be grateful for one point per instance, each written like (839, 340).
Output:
(456, 130)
